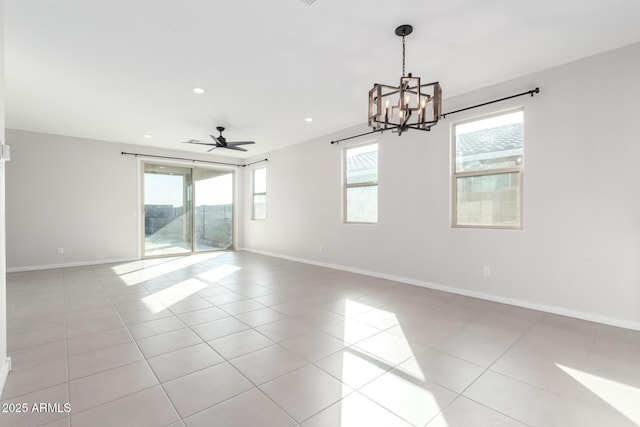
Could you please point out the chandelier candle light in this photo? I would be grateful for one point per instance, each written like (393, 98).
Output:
(409, 106)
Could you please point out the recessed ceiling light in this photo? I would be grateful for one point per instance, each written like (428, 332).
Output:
(146, 135)
(198, 90)
(308, 119)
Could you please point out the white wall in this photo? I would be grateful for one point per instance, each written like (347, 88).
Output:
(62, 192)
(579, 251)
(4, 362)
(72, 193)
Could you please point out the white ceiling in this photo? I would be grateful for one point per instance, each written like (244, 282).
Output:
(118, 69)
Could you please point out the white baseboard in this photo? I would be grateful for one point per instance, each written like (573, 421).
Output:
(621, 323)
(68, 265)
(4, 372)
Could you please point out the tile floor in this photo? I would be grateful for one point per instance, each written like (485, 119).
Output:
(239, 339)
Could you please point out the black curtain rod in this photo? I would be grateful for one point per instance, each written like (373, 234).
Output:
(373, 131)
(529, 92)
(253, 163)
(443, 115)
(192, 160)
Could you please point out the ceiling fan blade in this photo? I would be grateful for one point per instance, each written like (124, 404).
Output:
(240, 142)
(231, 147)
(195, 141)
(212, 148)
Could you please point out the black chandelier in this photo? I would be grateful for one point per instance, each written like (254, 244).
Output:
(411, 105)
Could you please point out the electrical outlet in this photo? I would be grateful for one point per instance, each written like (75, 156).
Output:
(486, 271)
(60, 251)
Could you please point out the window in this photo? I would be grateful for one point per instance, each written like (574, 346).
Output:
(487, 178)
(361, 184)
(260, 193)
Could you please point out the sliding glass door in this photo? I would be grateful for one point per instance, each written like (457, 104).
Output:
(186, 209)
(213, 217)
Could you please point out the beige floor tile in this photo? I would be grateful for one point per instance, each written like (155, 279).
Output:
(169, 366)
(350, 330)
(93, 342)
(305, 392)
(281, 330)
(198, 317)
(219, 328)
(389, 347)
(167, 342)
(187, 306)
(538, 369)
(93, 390)
(521, 401)
(202, 389)
(260, 317)
(17, 340)
(103, 359)
(313, 345)
(469, 349)
(251, 408)
(156, 327)
(38, 355)
(408, 396)
(240, 343)
(464, 412)
(353, 367)
(378, 318)
(440, 368)
(29, 380)
(147, 408)
(268, 363)
(242, 306)
(355, 410)
(598, 401)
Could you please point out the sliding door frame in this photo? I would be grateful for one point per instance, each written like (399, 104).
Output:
(193, 165)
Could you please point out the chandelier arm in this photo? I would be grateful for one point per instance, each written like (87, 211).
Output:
(386, 86)
(427, 129)
(417, 126)
(406, 120)
(393, 92)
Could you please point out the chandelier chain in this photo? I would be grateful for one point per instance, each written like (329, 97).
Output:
(403, 56)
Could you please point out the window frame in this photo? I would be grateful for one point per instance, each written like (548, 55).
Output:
(519, 170)
(254, 193)
(346, 186)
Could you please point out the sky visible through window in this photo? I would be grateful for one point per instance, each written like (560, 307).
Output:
(163, 189)
(491, 122)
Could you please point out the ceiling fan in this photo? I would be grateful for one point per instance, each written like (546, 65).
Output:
(221, 142)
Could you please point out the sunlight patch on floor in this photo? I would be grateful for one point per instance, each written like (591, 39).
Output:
(165, 298)
(622, 397)
(218, 273)
(165, 267)
(356, 362)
